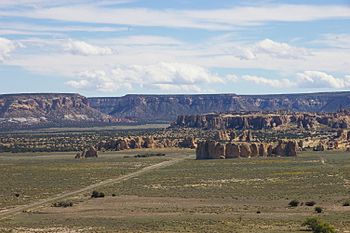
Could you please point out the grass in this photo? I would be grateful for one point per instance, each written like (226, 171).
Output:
(303, 178)
(204, 196)
(28, 177)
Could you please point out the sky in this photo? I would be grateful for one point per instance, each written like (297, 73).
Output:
(118, 47)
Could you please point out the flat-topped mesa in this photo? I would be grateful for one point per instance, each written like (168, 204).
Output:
(259, 120)
(36, 109)
(214, 150)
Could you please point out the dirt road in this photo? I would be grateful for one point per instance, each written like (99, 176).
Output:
(19, 209)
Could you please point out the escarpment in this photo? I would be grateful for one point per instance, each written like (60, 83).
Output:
(44, 109)
(259, 120)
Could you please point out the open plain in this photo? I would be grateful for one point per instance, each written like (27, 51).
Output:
(237, 195)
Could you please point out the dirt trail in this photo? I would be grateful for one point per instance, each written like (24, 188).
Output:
(10, 212)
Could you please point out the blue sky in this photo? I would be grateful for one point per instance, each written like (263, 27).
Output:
(116, 47)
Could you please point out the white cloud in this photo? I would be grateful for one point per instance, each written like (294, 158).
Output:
(86, 49)
(215, 19)
(231, 77)
(279, 50)
(306, 79)
(317, 79)
(264, 47)
(147, 40)
(6, 47)
(174, 77)
(276, 83)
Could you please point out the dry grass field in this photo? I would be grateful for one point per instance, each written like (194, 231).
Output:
(237, 195)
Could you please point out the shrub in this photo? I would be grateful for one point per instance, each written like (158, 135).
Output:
(318, 209)
(96, 194)
(63, 204)
(293, 203)
(318, 226)
(310, 203)
(347, 203)
(113, 195)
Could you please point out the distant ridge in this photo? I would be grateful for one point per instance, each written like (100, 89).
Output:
(50, 109)
(167, 107)
(62, 108)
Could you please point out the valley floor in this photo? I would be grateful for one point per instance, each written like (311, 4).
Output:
(232, 195)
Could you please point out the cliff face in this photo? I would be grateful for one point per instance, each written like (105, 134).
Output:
(260, 121)
(29, 109)
(167, 107)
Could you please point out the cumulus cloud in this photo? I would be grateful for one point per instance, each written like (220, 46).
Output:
(317, 79)
(267, 47)
(306, 79)
(6, 47)
(82, 48)
(276, 83)
(279, 50)
(173, 77)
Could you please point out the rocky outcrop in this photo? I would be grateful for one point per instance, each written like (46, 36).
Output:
(232, 150)
(245, 136)
(263, 150)
(49, 109)
(124, 143)
(260, 120)
(244, 148)
(215, 150)
(89, 153)
(254, 151)
(188, 142)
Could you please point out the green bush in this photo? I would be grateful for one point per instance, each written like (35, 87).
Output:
(96, 194)
(310, 203)
(347, 203)
(63, 204)
(318, 226)
(318, 209)
(293, 203)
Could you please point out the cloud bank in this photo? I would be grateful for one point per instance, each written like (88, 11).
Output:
(172, 77)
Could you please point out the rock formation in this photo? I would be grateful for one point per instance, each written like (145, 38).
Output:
(258, 121)
(232, 150)
(215, 150)
(49, 110)
(89, 153)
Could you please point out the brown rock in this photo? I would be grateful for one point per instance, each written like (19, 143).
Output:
(211, 149)
(188, 142)
(232, 150)
(280, 149)
(202, 151)
(91, 152)
(219, 150)
(244, 150)
(263, 150)
(291, 148)
(254, 150)
(149, 142)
